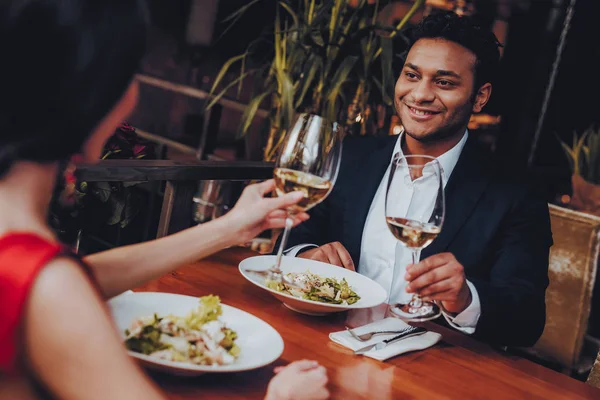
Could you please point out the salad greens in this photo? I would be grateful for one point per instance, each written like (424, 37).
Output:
(317, 288)
(198, 337)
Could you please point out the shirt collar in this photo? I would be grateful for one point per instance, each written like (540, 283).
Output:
(447, 160)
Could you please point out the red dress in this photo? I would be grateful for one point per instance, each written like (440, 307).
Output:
(22, 256)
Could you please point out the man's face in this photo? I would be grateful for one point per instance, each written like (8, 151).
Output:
(435, 91)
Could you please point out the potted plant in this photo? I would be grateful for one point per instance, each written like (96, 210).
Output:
(330, 57)
(113, 203)
(584, 160)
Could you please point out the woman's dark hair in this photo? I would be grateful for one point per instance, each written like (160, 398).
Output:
(467, 32)
(65, 64)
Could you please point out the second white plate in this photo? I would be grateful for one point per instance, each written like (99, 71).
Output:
(370, 292)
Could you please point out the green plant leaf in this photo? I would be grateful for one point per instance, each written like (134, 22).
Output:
(218, 97)
(234, 17)
(379, 86)
(415, 7)
(224, 69)
(311, 11)
(250, 111)
(592, 149)
(387, 76)
(313, 66)
(129, 210)
(286, 98)
(117, 206)
(290, 11)
(102, 190)
(340, 77)
(240, 11)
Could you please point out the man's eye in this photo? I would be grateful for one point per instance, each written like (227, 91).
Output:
(410, 75)
(445, 83)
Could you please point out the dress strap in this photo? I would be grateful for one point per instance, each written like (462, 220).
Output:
(22, 256)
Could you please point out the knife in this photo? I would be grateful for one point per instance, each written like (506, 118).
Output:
(415, 331)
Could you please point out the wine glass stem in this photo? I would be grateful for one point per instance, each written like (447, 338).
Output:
(284, 238)
(416, 301)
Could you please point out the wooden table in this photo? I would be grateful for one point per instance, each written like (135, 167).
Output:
(456, 368)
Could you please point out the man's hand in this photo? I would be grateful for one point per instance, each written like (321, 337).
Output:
(332, 253)
(442, 278)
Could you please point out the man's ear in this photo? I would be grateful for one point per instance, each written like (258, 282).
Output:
(482, 96)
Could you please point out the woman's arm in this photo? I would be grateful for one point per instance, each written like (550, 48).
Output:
(71, 345)
(127, 267)
(123, 268)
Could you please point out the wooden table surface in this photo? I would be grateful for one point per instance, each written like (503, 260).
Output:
(456, 368)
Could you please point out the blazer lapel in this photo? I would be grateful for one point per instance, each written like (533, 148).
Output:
(466, 185)
(367, 177)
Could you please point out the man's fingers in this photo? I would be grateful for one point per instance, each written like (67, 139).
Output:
(344, 256)
(433, 276)
(435, 288)
(332, 255)
(448, 295)
(435, 261)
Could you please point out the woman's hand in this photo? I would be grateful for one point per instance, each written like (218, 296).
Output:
(253, 213)
(300, 380)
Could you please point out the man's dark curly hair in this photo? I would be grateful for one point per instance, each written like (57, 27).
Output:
(467, 32)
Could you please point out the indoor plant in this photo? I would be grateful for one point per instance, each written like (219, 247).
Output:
(584, 160)
(113, 203)
(330, 57)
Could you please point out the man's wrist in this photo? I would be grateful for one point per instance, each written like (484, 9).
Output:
(456, 307)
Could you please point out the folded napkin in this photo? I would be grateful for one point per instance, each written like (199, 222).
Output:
(393, 349)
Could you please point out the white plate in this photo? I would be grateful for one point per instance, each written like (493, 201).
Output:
(371, 293)
(259, 342)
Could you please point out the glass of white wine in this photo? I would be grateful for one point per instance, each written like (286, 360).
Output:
(308, 162)
(414, 213)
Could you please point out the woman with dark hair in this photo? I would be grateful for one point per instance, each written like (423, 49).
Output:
(66, 80)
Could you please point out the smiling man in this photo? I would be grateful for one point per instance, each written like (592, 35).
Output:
(488, 268)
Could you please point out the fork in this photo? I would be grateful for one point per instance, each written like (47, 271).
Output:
(276, 275)
(366, 336)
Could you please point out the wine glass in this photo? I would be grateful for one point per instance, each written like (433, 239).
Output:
(308, 162)
(414, 213)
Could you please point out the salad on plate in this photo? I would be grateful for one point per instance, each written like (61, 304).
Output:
(198, 338)
(317, 288)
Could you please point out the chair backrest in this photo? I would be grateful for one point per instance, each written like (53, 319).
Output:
(572, 273)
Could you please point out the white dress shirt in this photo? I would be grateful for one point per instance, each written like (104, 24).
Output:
(380, 250)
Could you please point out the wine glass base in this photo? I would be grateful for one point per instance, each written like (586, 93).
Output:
(406, 312)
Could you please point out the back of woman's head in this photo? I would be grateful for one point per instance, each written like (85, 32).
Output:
(65, 64)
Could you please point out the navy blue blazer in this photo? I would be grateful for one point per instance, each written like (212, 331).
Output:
(497, 225)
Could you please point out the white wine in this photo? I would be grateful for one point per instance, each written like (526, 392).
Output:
(315, 189)
(413, 234)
